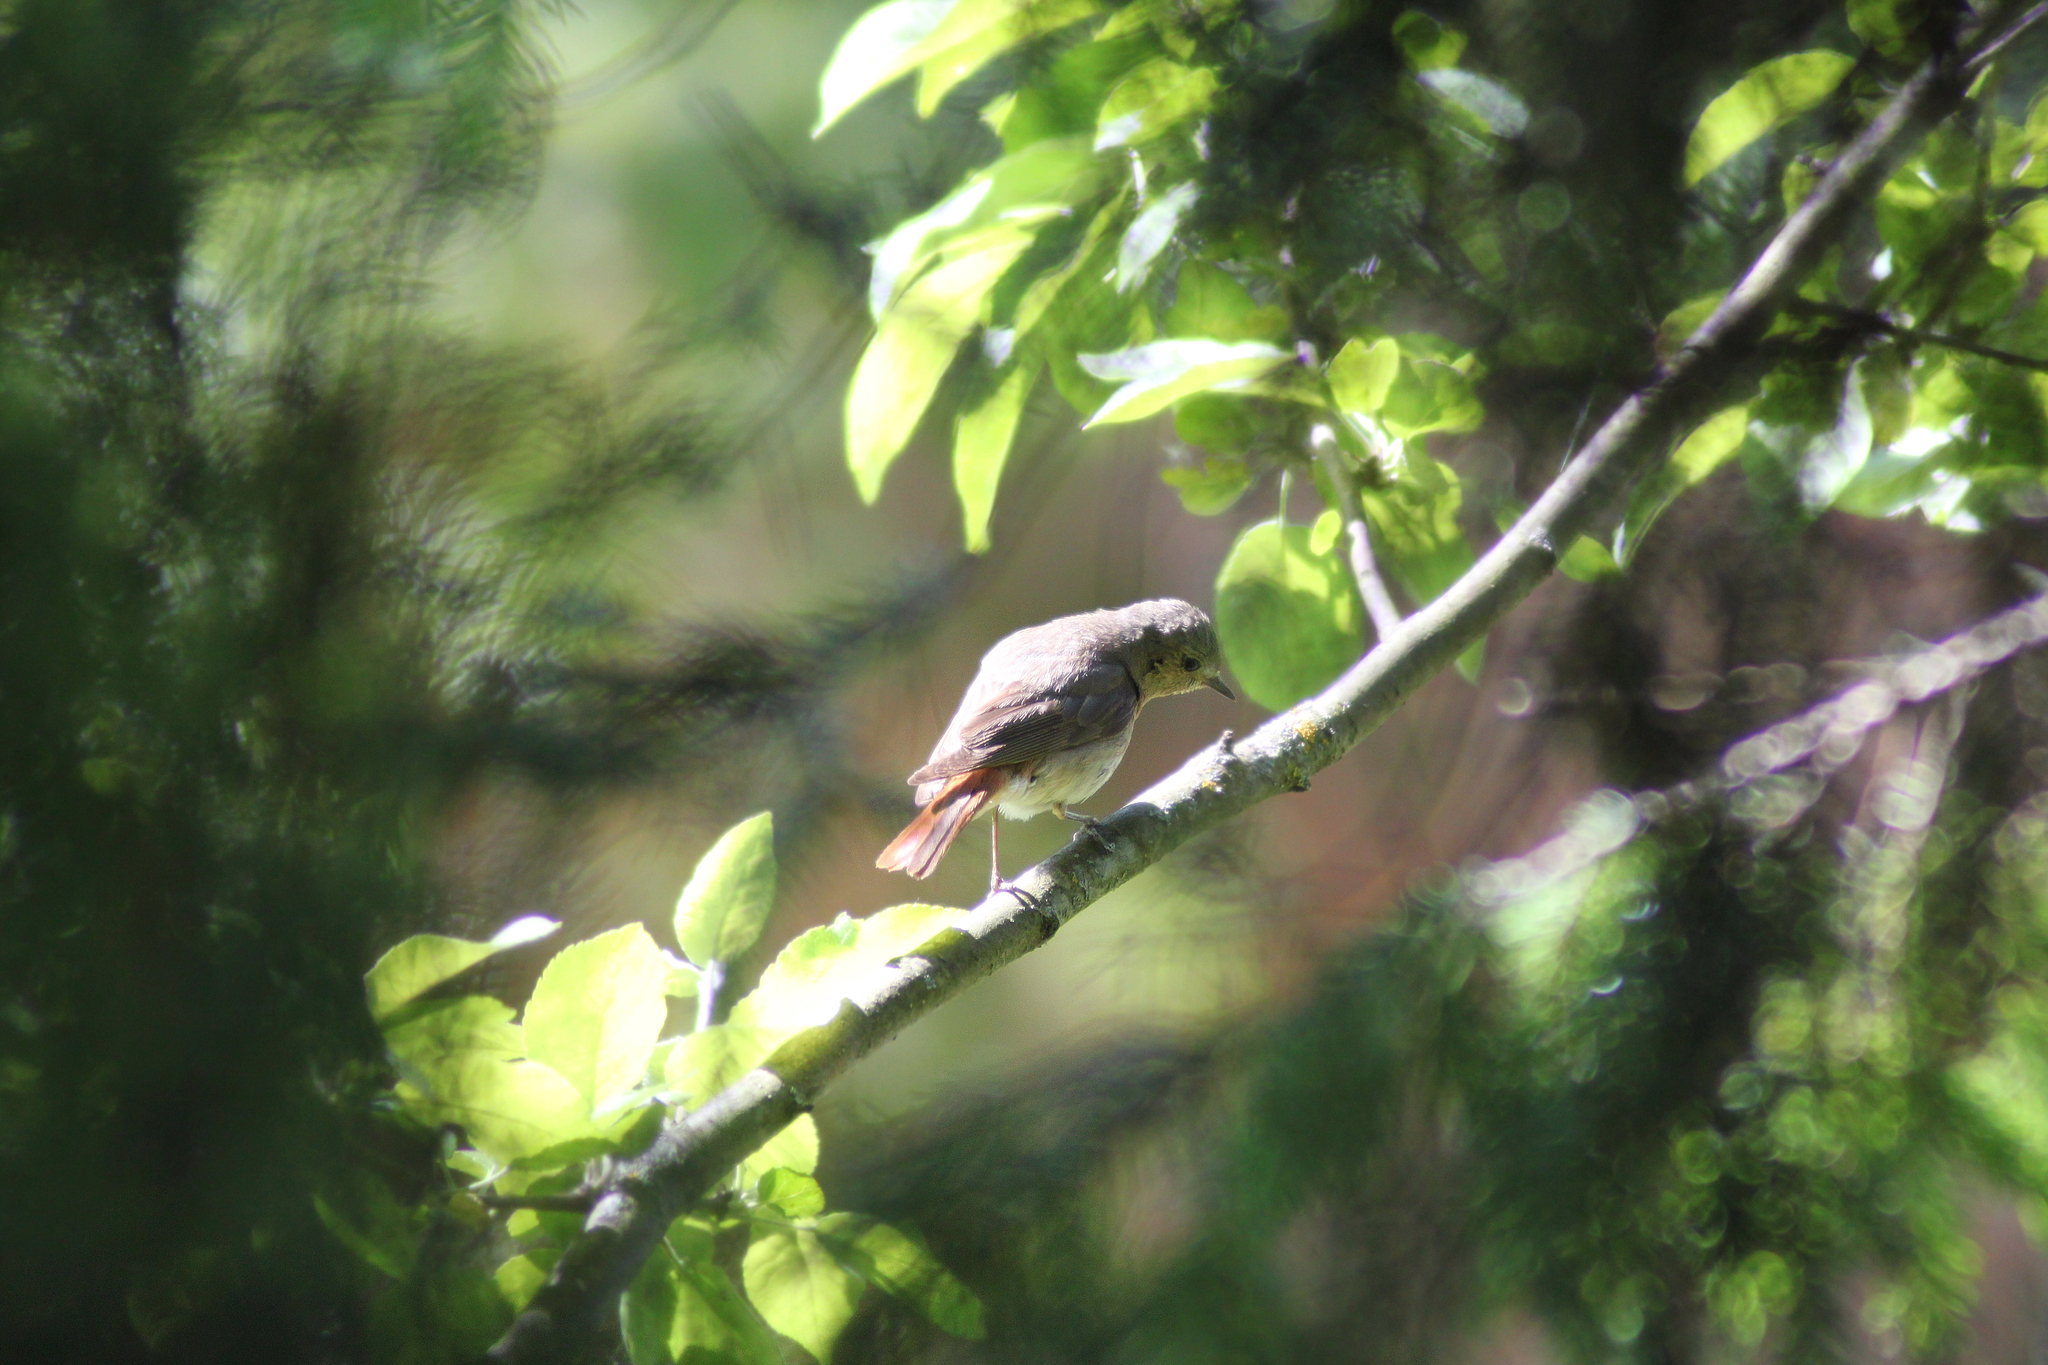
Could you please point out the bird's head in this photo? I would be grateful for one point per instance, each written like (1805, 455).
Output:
(1176, 650)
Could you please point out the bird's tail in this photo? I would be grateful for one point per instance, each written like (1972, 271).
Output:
(926, 838)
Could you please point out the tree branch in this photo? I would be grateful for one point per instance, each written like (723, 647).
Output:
(1221, 781)
(1372, 589)
(1862, 320)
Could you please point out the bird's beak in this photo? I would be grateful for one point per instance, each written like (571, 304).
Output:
(1218, 685)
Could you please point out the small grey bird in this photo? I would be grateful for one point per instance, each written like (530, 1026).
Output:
(1047, 719)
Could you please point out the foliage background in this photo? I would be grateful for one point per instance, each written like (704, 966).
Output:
(428, 507)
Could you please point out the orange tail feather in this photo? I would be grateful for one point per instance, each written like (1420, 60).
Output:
(926, 838)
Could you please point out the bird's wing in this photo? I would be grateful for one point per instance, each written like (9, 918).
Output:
(1029, 720)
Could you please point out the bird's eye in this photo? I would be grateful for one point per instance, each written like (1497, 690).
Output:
(1190, 663)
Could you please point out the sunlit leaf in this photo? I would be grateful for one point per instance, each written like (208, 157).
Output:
(1149, 233)
(982, 437)
(518, 1278)
(1711, 444)
(424, 961)
(729, 894)
(1152, 99)
(1211, 487)
(1429, 395)
(800, 1288)
(795, 1148)
(1289, 619)
(901, 368)
(813, 972)
(900, 1265)
(1426, 43)
(792, 1192)
(688, 1312)
(1415, 524)
(976, 31)
(1494, 107)
(1681, 322)
(1887, 25)
(1026, 187)
(1209, 302)
(879, 48)
(511, 1109)
(1155, 374)
(1219, 423)
(1360, 375)
(1587, 561)
(1767, 97)
(597, 1010)
(705, 1062)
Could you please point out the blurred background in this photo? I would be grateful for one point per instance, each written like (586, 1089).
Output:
(426, 505)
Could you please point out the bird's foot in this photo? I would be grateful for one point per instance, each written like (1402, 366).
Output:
(1090, 826)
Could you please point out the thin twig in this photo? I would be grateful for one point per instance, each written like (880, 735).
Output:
(1821, 740)
(694, 1153)
(1372, 588)
(1877, 322)
(544, 1203)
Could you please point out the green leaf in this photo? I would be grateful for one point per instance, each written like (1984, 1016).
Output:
(1416, 526)
(912, 350)
(1210, 488)
(597, 1010)
(1491, 106)
(424, 961)
(1428, 395)
(790, 1192)
(1324, 531)
(1289, 619)
(800, 1288)
(1209, 302)
(707, 1061)
(433, 1029)
(795, 1148)
(1151, 99)
(813, 973)
(1587, 561)
(1031, 186)
(1887, 25)
(1425, 43)
(688, 1312)
(879, 48)
(1157, 373)
(981, 445)
(1681, 322)
(1361, 376)
(511, 1109)
(1711, 444)
(729, 894)
(1220, 424)
(1767, 97)
(900, 1265)
(1149, 233)
(976, 31)
(518, 1278)
(385, 1238)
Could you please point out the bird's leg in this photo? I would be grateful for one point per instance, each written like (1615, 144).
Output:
(1088, 823)
(995, 870)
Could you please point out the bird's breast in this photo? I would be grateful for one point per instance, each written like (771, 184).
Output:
(1063, 778)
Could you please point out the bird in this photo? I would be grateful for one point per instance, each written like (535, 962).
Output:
(1047, 719)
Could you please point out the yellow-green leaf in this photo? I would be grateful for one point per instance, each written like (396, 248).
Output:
(1157, 373)
(976, 31)
(424, 961)
(729, 894)
(879, 48)
(1767, 97)
(815, 970)
(900, 1265)
(981, 446)
(597, 1010)
(1426, 43)
(1361, 375)
(1151, 99)
(1709, 445)
(1289, 619)
(799, 1287)
(901, 368)
(686, 1311)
